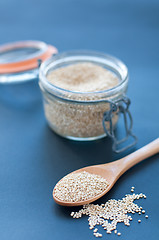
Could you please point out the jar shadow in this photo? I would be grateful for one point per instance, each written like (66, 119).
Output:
(91, 152)
(66, 155)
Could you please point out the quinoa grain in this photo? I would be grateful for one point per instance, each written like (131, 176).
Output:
(111, 213)
(83, 77)
(76, 119)
(79, 187)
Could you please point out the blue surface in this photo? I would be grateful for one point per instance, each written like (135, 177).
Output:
(33, 158)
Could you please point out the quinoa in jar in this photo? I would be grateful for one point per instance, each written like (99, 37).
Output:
(77, 90)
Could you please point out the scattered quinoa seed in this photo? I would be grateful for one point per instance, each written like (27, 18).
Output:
(96, 234)
(143, 211)
(132, 189)
(111, 213)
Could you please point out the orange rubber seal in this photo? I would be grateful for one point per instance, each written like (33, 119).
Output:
(27, 64)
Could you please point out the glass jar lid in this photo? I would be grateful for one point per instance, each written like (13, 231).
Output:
(19, 61)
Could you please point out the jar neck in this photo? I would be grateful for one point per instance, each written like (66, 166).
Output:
(108, 62)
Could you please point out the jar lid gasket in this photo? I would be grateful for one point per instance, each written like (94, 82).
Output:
(20, 57)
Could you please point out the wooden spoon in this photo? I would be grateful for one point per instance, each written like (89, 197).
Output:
(113, 170)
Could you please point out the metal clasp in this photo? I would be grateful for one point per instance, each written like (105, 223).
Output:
(120, 106)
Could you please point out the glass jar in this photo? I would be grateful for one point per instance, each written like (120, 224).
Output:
(71, 114)
(83, 115)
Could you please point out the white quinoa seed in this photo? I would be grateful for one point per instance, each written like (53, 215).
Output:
(79, 187)
(80, 120)
(97, 234)
(111, 213)
(83, 77)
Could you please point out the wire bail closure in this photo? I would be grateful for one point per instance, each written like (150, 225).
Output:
(120, 106)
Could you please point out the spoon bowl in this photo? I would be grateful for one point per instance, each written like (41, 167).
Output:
(98, 170)
(113, 170)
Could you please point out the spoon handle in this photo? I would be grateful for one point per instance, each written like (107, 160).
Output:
(138, 156)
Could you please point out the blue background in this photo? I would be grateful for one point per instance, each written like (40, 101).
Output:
(33, 158)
